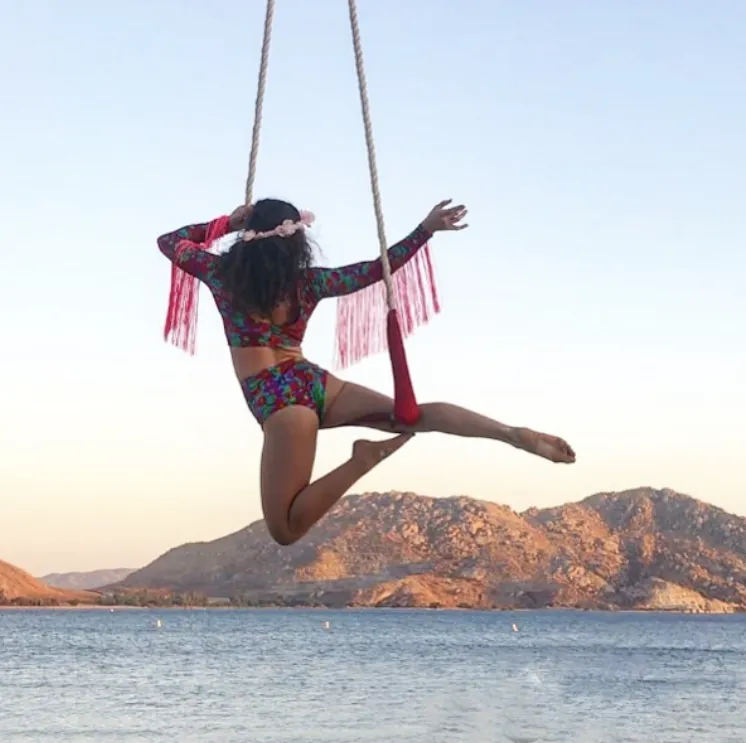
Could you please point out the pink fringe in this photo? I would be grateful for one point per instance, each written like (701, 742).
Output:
(361, 317)
(183, 300)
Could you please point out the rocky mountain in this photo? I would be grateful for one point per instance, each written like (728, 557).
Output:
(86, 580)
(17, 586)
(642, 548)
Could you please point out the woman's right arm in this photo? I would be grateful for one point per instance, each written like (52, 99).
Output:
(187, 246)
(183, 248)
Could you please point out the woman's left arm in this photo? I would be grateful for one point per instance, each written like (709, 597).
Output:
(336, 282)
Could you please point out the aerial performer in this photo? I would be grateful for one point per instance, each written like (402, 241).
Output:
(266, 287)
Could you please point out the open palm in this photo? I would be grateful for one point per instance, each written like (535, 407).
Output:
(443, 217)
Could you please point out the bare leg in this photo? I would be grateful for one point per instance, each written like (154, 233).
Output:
(291, 505)
(350, 404)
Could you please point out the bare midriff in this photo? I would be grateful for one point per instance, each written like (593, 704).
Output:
(248, 362)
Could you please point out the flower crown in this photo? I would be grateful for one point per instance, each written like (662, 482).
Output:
(287, 228)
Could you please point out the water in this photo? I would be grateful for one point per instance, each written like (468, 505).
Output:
(372, 676)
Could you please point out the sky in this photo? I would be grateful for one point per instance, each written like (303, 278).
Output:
(597, 294)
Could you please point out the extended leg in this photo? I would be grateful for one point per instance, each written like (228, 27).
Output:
(291, 503)
(352, 405)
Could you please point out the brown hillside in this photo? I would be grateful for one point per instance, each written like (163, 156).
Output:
(17, 584)
(642, 548)
(84, 581)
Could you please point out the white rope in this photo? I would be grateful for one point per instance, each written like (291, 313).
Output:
(365, 106)
(259, 103)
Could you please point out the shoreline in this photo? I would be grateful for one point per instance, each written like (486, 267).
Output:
(222, 607)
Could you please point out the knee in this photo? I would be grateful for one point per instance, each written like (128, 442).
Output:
(281, 534)
(285, 531)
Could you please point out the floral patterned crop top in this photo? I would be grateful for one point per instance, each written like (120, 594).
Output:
(243, 329)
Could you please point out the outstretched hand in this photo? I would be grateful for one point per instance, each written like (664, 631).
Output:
(443, 217)
(240, 217)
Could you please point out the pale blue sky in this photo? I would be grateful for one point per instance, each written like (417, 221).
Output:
(599, 293)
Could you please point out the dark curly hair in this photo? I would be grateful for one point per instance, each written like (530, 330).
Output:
(265, 272)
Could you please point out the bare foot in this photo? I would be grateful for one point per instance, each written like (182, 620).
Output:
(371, 453)
(543, 445)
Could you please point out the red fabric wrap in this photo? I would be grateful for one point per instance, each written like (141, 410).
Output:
(406, 409)
(366, 325)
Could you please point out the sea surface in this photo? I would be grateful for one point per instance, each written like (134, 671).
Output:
(266, 676)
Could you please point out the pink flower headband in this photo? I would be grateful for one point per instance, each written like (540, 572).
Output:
(287, 228)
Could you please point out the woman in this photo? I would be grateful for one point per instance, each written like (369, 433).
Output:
(266, 289)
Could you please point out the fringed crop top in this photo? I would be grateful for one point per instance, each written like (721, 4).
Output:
(243, 329)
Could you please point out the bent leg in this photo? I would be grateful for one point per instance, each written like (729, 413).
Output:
(291, 503)
(353, 405)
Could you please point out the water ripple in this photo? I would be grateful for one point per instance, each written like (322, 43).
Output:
(421, 677)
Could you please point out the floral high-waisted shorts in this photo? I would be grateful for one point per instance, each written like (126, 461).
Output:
(289, 383)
